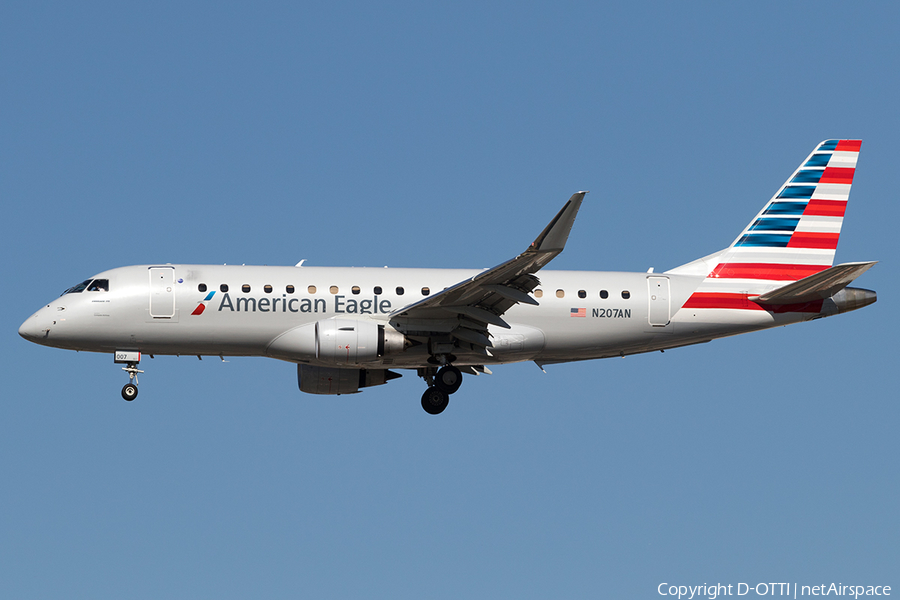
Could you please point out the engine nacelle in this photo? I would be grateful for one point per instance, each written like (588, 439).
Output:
(346, 342)
(338, 342)
(332, 380)
(350, 342)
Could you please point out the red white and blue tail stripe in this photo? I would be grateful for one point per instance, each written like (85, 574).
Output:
(794, 236)
(802, 223)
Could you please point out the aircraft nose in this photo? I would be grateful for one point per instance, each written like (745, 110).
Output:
(31, 329)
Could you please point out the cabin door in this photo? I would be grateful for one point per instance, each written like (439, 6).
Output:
(658, 294)
(162, 292)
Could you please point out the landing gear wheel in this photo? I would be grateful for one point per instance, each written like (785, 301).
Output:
(448, 379)
(435, 400)
(129, 392)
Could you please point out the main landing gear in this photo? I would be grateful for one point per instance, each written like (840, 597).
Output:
(441, 383)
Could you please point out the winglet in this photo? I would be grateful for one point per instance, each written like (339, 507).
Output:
(553, 237)
(487, 295)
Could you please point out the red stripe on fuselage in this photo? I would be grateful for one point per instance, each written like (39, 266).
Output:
(720, 300)
(199, 310)
(811, 239)
(770, 271)
(740, 302)
(825, 208)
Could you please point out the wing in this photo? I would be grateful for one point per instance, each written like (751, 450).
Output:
(464, 310)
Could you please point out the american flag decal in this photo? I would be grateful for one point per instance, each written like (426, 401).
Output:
(578, 312)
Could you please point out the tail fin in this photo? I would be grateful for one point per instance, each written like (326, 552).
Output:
(796, 233)
(801, 224)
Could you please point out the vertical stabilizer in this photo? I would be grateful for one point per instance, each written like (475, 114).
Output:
(794, 236)
(796, 233)
(800, 226)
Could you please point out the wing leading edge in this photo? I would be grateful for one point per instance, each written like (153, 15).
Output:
(466, 309)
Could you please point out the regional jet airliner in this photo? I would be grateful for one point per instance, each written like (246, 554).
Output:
(351, 328)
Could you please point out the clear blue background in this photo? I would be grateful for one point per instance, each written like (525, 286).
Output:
(419, 134)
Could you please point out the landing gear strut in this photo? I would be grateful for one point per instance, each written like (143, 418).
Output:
(441, 383)
(130, 391)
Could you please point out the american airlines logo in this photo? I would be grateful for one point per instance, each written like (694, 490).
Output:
(202, 305)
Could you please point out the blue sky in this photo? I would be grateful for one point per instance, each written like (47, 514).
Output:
(408, 134)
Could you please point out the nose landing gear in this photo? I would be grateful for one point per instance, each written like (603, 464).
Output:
(130, 391)
(130, 359)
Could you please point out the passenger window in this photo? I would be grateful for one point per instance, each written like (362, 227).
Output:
(201, 287)
(426, 291)
(99, 285)
(560, 293)
(626, 294)
(539, 293)
(377, 290)
(333, 289)
(604, 294)
(245, 288)
(311, 289)
(223, 287)
(399, 291)
(267, 289)
(582, 294)
(289, 289)
(354, 290)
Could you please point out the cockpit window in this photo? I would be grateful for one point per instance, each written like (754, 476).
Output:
(99, 285)
(75, 289)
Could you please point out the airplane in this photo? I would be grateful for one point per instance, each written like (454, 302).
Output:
(346, 328)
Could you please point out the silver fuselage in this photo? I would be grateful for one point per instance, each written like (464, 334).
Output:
(153, 314)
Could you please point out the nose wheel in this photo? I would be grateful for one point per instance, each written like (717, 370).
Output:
(130, 391)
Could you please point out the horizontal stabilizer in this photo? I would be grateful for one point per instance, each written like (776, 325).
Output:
(823, 284)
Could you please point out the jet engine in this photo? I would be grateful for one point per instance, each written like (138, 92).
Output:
(339, 342)
(349, 342)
